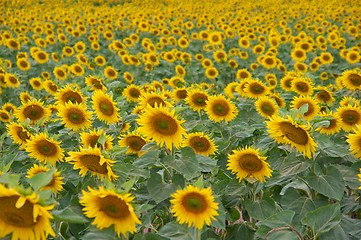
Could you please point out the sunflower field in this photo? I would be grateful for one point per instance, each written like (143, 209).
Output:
(180, 120)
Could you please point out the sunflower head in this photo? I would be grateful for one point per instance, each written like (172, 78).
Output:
(247, 162)
(220, 109)
(105, 108)
(201, 143)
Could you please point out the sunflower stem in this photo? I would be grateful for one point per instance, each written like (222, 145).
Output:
(198, 234)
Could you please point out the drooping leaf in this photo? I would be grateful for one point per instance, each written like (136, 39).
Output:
(158, 190)
(175, 231)
(69, 215)
(187, 164)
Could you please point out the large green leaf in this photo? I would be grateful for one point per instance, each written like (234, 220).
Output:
(68, 215)
(239, 232)
(175, 231)
(158, 190)
(262, 209)
(187, 164)
(330, 184)
(147, 160)
(323, 219)
(41, 179)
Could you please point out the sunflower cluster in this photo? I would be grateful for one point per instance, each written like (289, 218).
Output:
(99, 98)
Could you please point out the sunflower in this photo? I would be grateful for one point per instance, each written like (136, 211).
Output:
(201, 143)
(196, 99)
(25, 97)
(312, 108)
(60, 73)
(55, 185)
(75, 116)
(350, 117)
(23, 64)
(44, 149)
(41, 57)
(269, 62)
(36, 83)
(133, 141)
(152, 99)
(100, 60)
(5, 116)
(334, 124)
(180, 93)
(180, 71)
(219, 108)
(77, 69)
(220, 56)
(351, 79)
(213, 38)
(19, 134)
(298, 54)
(247, 162)
(132, 93)
(346, 100)
(110, 208)
(34, 110)
(194, 206)
(92, 160)
(11, 80)
(95, 83)
(110, 72)
(266, 106)
(254, 88)
(354, 140)
(91, 139)
(9, 107)
(105, 108)
(353, 57)
(211, 72)
(287, 131)
(162, 126)
(324, 95)
(50, 87)
(230, 89)
(302, 86)
(23, 216)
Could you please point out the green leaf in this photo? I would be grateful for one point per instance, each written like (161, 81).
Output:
(68, 215)
(282, 235)
(147, 160)
(128, 185)
(240, 232)
(102, 139)
(331, 184)
(279, 219)
(303, 109)
(158, 190)
(337, 232)
(262, 209)
(206, 164)
(148, 236)
(175, 231)
(293, 167)
(11, 180)
(323, 219)
(187, 164)
(41, 179)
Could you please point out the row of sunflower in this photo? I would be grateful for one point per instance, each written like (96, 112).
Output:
(180, 120)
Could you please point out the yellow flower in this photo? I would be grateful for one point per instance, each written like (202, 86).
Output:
(75, 116)
(312, 106)
(287, 131)
(105, 108)
(44, 149)
(197, 99)
(247, 162)
(350, 117)
(194, 206)
(55, 185)
(110, 208)
(201, 143)
(34, 110)
(92, 160)
(67, 94)
(351, 79)
(91, 139)
(162, 126)
(354, 140)
(220, 109)
(334, 126)
(18, 134)
(23, 216)
(133, 141)
(266, 106)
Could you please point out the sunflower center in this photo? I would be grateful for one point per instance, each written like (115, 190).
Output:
(221, 108)
(182, 94)
(76, 116)
(17, 217)
(135, 142)
(5, 116)
(199, 144)
(194, 202)
(351, 117)
(310, 108)
(23, 135)
(33, 112)
(267, 109)
(165, 124)
(250, 163)
(106, 107)
(355, 79)
(332, 124)
(92, 163)
(46, 148)
(73, 97)
(114, 207)
(302, 87)
(293, 133)
(324, 95)
(257, 89)
(134, 93)
(151, 101)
